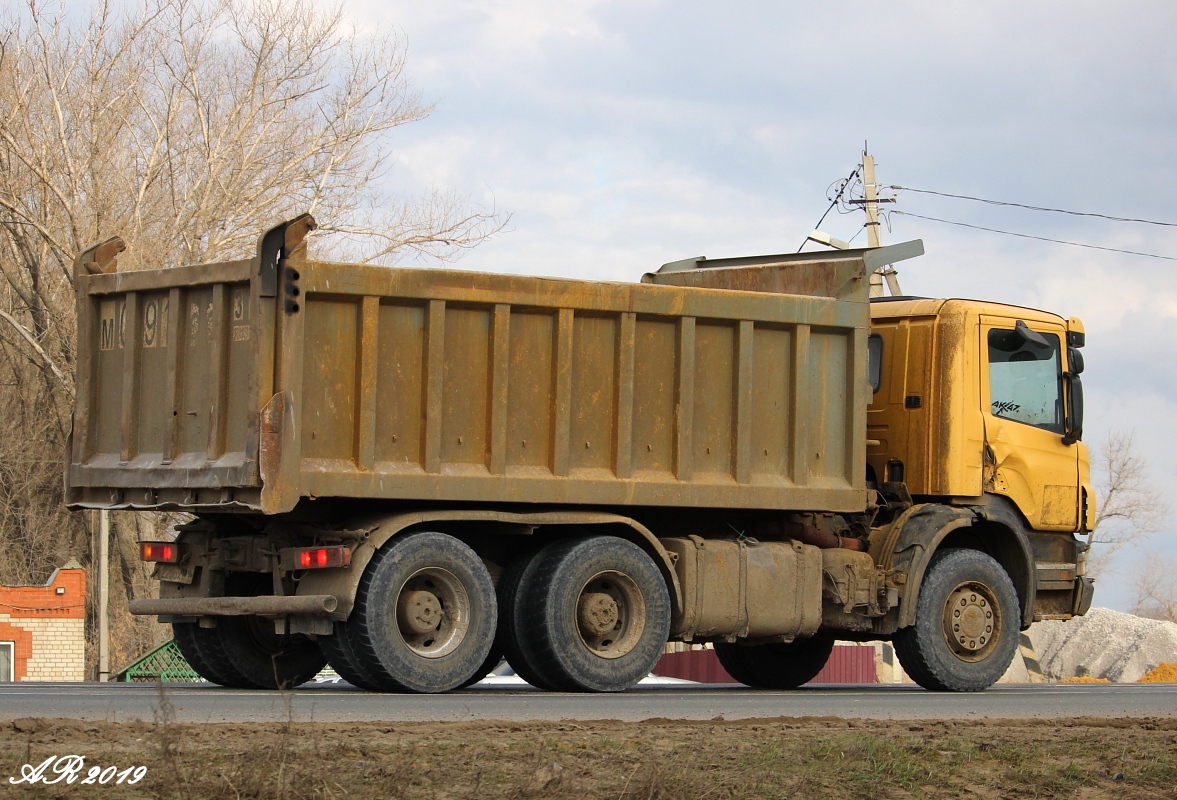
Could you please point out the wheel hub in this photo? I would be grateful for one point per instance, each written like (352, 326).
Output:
(971, 624)
(433, 612)
(597, 614)
(610, 614)
(419, 611)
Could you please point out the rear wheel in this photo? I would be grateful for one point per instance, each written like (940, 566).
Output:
(343, 660)
(268, 660)
(492, 660)
(597, 612)
(776, 666)
(243, 651)
(425, 614)
(202, 649)
(966, 624)
(518, 648)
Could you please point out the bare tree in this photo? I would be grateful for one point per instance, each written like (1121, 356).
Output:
(185, 127)
(1156, 589)
(1129, 507)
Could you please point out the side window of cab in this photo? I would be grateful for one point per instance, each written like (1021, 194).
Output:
(1026, 378)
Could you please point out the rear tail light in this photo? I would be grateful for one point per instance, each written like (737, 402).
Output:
(315, 557)
(159, 552)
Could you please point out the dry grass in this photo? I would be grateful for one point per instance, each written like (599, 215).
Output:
(655, 760)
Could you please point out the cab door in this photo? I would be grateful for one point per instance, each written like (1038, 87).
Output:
(1022, 398)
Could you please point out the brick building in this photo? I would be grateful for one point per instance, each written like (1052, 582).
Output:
(42, 628)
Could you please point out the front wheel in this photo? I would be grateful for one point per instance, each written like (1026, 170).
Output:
(966, 624)
(776, 666)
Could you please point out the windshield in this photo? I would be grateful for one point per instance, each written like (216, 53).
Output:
(1025, 380)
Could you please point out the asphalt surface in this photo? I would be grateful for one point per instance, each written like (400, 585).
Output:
(342, 703)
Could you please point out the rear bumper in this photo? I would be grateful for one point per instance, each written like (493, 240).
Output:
(310, 605)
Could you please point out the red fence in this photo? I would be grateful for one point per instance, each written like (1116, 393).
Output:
(847, 664)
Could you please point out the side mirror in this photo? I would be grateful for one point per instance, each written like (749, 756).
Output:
(874, 361)
(1073, 425)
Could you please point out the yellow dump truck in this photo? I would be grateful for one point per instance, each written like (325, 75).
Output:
(413, 473)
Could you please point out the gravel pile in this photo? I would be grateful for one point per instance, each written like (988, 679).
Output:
(1103, 644)
(1166, 672)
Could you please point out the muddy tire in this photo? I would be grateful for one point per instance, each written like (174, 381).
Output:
(492, 660)
(202, 649)
(516, 646)
(598, 613)
(265, 659)
(776, 666)
(343, 660)
(425, 614)
(967, 622)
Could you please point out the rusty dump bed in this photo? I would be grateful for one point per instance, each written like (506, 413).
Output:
(215, 387)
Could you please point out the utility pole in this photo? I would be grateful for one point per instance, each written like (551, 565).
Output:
(870, 203)
(104, 595)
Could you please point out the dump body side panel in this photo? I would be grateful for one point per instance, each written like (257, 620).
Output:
(440, 385)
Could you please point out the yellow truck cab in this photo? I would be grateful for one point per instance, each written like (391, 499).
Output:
(979, 405)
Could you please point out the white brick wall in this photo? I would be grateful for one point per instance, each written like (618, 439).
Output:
(59, 648)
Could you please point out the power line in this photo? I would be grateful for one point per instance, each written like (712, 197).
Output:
(1039, 238)
(837, 197)
(1035, 208)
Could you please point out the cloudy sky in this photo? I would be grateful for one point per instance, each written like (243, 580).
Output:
(621, 135)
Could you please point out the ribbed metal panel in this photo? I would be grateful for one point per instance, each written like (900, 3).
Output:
(849, 664)
(700, 666)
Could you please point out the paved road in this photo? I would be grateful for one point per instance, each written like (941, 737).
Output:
(342, 703)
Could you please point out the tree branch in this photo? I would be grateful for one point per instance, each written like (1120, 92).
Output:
(28, 337)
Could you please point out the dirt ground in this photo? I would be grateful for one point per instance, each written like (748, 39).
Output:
(667, 760)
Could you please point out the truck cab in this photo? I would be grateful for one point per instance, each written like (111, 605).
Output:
(979, 404)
